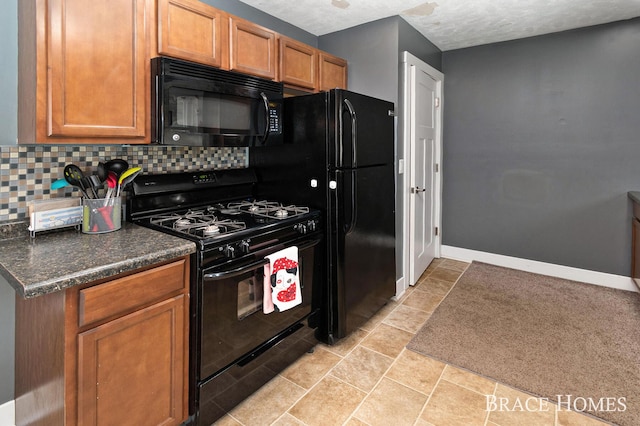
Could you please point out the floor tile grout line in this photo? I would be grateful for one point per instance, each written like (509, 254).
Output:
(328, 373)
(424, 407)
(349, 352)
(355, 410)
(373, 388)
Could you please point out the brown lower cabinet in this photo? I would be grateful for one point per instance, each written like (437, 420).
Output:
(113, 352)
(635, 244)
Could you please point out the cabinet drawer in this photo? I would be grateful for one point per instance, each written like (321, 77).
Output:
(128, 293)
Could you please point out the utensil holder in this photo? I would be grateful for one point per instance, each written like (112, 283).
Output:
(100, 215)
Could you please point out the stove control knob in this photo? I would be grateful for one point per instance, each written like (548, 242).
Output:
(244, 246)
(301, 228)
(311, 225)
(230, 251)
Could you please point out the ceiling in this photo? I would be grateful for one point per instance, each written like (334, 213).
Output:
(453, 24)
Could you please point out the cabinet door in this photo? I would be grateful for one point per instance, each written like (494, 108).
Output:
(298, 64)
(132, 370)
(333, 72)
(97, 66)
(635, 249)
(252, 48)
(194, 31)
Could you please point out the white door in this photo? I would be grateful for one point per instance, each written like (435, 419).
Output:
(423, 153)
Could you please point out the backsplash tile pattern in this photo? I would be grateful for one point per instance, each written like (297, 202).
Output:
(26, 172)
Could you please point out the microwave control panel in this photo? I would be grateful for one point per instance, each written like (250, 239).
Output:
(274, 118)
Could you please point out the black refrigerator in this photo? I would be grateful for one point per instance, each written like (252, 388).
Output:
(338, 156)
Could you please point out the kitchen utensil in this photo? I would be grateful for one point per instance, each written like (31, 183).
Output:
(60, 183)
(102, 171)
(117, 165)
(112, 182)
(94, 184)
(74, 176)
(129, 175)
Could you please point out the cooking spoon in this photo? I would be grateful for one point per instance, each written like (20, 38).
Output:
(117, 165)
(102, 171)
(74, 176)
(129, 175)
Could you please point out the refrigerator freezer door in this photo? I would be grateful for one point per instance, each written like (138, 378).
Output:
(364, 130)
(363, 245)
(286, 171)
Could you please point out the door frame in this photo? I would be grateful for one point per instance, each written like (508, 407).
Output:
(410, 62)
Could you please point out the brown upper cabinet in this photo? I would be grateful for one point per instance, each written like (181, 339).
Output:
(84, 67)
(332, 72)
(83, 70)
(193, 31)
(298, 64)
(252, 49)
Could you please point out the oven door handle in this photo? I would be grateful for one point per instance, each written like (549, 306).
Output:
(253, 265)
(236, 271)
(308, 244)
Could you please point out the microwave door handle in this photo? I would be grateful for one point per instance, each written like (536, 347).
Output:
(265, 100)
(354, 125)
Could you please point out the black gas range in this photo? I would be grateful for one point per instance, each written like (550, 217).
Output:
(235, 346)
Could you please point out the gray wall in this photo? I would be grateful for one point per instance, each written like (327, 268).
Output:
(541, 145)
(8, 136)
(373, 51)
(410, 40)
(9, 76)
(252, 14)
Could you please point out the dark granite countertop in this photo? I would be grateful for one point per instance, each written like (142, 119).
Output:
(58, 260)
(635, 196)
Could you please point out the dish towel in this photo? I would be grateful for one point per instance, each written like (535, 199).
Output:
(281, 281)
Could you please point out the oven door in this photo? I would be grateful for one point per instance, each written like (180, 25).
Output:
(232, 324)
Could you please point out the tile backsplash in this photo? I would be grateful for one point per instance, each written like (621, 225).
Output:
(26, 171)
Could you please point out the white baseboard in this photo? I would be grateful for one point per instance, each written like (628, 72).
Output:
(400, 288)
(8, 414)
(567, 272)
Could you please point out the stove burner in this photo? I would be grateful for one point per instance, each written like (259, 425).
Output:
(201, 222)
(210, 230)
(181, 223)
(268, 209)
(281, 213)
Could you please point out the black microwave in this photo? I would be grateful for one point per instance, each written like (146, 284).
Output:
(198, 105)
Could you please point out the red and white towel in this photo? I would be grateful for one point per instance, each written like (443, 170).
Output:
(281, 281)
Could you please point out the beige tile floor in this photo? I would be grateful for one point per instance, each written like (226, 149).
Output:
(370, 378)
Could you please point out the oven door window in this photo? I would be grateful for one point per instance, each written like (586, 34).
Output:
(250, 293)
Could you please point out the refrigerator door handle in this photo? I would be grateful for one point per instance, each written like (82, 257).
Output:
(351, 223)
(354, 121)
